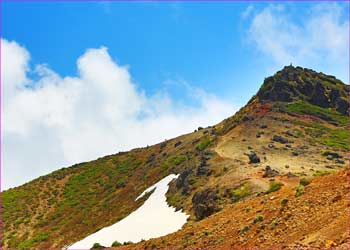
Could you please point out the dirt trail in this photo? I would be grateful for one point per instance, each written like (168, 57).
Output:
(252, 174)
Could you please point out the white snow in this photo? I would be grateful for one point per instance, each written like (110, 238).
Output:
(153, 219)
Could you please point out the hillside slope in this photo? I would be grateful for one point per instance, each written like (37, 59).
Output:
(295, 127)
(286, 219)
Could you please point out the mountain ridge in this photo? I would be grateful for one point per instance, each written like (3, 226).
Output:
(233, 161)
(296, 83)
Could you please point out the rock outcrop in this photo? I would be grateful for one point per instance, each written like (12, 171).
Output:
(204, 203)
(296, 83)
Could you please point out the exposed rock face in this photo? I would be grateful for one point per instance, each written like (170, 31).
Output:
(269, 172)
(296, 83)
(203, 167)
(253, 157)
(204, 203)
(182, 181)
(332, 155)
(280, 139)
(319, 97)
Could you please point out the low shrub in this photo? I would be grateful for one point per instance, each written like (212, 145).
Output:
(203, 144)
(244, 229)
(116, 244)
(274, 186)
(258, 218)
(243, 191)
(97, 246)
(321, 173)
(300, 191)
(304, 182)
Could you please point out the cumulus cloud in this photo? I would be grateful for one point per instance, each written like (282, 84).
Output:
(319, 39)
(51, 121)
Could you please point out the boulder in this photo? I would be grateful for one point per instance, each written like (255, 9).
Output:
(332, 155)
(339, 161)
(163, 145)
(247, 118)
(269, 172)
(290, 175)
(204, 203)
(253, 157)
(280, 139)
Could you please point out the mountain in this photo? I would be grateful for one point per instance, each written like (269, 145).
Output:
(278, 164)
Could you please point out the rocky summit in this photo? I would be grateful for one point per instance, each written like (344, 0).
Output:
(300, 84)
(274, 175)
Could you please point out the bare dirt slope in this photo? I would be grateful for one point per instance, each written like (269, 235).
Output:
(316, 219)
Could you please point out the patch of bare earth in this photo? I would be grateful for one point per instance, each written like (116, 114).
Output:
(317, 219)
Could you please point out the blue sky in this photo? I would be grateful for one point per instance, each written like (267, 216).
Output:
(200, 43)
(205, 44)
(82, 80)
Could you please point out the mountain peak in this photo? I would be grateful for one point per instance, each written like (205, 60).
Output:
(297, 83)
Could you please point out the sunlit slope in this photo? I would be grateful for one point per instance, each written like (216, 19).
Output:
(295, 127)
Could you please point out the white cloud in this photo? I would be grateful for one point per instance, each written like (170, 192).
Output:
(318, 39)
(246, 13)
(53, 121)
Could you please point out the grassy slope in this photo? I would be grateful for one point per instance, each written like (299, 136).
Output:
(71, 203)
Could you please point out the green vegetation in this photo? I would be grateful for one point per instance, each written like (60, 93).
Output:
(192, 180)
(203, 144)
(97, 246)
(274, 186)
(173, 161)
(174, 199)
(296, 133)
(273, 224)
(116, 244)
(53, 204)
(121, 183)
(244, 229)
(243, 191)
(126, 166)
(305, 108)
(321, 173)
(304, 182)
(335, 138)
(30, 243)
(177, 159)
(258, 219)
(300, 190)
(43, 212)
(284, 202)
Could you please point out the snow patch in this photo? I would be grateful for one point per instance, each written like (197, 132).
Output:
(153, 219)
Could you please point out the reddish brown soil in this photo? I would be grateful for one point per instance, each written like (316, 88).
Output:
(318, 219)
